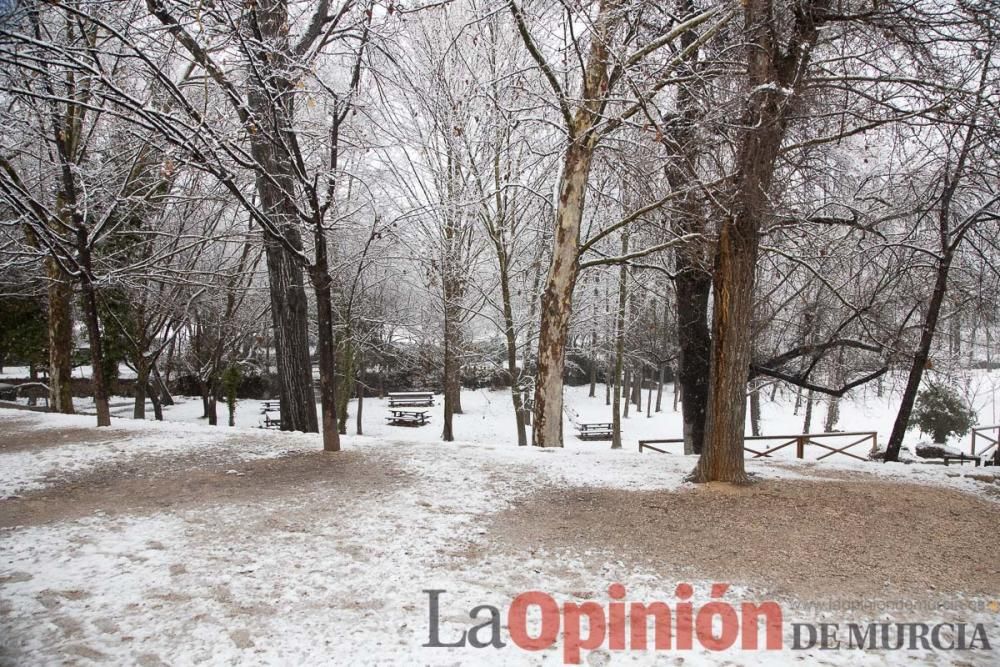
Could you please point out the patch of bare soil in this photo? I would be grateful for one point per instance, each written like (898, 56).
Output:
(804, 539)
(174, 484)
(15, 439)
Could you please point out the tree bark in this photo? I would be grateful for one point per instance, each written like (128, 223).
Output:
(60, 329)
(94, 335)
(616, 412)
(141, 383)
(321, 281)
(773, 72)
(272, 114)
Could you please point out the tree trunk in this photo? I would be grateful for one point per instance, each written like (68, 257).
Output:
(772, 76)
(213, 405)
(60, 329)
(920, 359)
(359, 429)
(510, 337)
(659, 389)
(616, 410)
(327, 360)
(557, 299)
(96, 348)
(693, 282)
(649, 398)
(638, 379)
(448, 433)
(693, 286)
(154, 397)
(755, 408)
(807, 422)
(141, 383)
(270, 103)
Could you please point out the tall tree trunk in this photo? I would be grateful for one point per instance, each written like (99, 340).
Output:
(616, 409)
(693, 286)
(510, 336)
(920, 358)
(326, 343)
(772, 77)
(693, 282)
(557, 299)
(270, 103)
(96, 346)
(60, 330)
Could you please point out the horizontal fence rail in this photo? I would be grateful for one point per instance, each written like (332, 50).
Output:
(820, 440)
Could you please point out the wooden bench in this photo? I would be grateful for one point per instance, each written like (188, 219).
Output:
(34, 390)
(271, 410)
(961, 458)
(595, 431)
(411, 399)
(408, 417)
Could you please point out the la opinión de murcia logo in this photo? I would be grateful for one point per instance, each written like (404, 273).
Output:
(716, 625)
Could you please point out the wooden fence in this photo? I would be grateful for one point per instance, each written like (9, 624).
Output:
(981, 433)
(827, 441)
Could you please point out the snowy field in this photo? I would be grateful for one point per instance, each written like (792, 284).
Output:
(176, 543)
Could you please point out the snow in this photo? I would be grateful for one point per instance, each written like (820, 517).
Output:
(324, 574)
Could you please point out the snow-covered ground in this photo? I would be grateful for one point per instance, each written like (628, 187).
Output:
(331, 568)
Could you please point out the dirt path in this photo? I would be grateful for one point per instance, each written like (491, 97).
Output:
(811, 540)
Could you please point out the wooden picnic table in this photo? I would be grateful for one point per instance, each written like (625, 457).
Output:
(271, 410)
(411, 399)
(408, 417)
(962, 459)
(595, 430)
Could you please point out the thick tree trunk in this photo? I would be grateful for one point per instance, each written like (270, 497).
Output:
(557, 299)
(693, 286)
(60, 329)
(772, 78)
(276, 193)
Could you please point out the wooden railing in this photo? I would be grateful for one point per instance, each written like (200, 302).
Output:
(980, 433)
(800, 442)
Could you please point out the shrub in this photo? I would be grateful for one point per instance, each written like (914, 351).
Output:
(940, 411)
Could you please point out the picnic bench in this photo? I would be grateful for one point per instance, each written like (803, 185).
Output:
(595, 431)
(961, 458)
(411, 399)
(271, 410)
(408, 417)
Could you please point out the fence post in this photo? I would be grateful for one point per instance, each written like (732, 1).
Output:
(800, 447)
